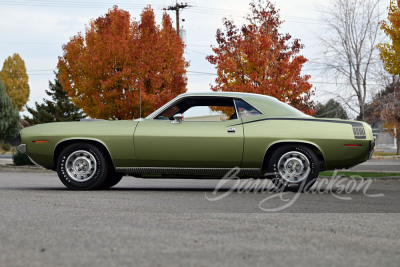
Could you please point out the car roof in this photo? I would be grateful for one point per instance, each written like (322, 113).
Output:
(269, 106)
(227, 94)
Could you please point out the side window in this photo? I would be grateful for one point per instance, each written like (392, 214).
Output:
(209, 113)
(168, 114)
(201, 108)
(245, 110)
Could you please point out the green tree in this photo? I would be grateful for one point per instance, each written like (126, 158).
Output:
(332, 109)
(59, 108)
(9, 117)
(16, 80)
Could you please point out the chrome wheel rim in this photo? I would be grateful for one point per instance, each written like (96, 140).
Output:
(294, 167)
(81, 166)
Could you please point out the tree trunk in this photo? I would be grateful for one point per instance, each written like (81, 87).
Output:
(398, 143)
(361, 115)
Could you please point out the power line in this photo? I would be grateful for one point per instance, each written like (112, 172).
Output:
(201, 72)
(197, 51)
(68, 4)
(177, 8)
(200, 10)
(361, 63)
(214, 74)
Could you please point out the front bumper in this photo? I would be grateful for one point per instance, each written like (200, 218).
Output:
(22, 148)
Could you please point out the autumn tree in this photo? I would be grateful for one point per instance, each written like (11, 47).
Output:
(16, 79)
(384, 109)
(390, 52)
(58, 108)
(9, 117)
(256, 58)
(123, 69)
(391, 115)
(390, 55)
(331, 109)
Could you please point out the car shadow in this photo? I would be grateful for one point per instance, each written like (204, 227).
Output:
(321, 191)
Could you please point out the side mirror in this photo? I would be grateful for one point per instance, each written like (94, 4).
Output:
(177, 118)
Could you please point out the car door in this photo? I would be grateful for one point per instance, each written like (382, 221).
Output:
(195, 142)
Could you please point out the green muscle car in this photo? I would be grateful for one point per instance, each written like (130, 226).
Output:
(200, 135)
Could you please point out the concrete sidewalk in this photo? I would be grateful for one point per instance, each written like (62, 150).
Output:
(6, 161)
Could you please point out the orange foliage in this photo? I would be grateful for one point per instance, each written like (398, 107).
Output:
(258, 59)
(118, 61)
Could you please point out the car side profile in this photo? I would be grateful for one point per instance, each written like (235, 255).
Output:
(200, 135)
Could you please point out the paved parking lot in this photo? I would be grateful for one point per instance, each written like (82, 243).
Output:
(171, 223)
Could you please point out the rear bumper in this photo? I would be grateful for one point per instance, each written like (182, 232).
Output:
(371, 149)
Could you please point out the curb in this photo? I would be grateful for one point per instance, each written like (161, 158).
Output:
(385, 157)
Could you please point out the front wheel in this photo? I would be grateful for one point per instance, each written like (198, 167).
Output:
(82, 166)
(293, 167)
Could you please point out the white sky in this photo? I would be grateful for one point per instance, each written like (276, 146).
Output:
(36, 29)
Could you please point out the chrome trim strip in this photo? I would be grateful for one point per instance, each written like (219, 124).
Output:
(34, 162)
(185, 171)
(22, 148)
(167, 106)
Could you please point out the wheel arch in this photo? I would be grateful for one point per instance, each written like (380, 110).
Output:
(65, 143)
(315, 148)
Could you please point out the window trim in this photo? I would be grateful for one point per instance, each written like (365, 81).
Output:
(231, 97)
(237, 111)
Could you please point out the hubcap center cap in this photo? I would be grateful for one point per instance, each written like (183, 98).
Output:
(81, 166)
(293, 167)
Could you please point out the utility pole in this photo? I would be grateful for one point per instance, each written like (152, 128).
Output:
(177, 7)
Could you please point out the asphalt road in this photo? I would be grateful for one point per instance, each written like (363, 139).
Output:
(171, 223)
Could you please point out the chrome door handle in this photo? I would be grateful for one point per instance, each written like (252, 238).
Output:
(231, 130)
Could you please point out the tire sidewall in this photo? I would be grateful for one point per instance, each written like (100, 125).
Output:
(112, 179)
(279, 181)
(93, 182)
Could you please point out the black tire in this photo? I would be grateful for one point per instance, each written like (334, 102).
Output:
(112, 179)
(298, 168)
(82, 166)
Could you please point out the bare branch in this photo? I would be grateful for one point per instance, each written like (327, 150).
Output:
(350, 45)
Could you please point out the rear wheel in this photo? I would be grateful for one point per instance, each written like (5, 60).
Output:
(293, 167)
(112, 179)
(82, 166)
